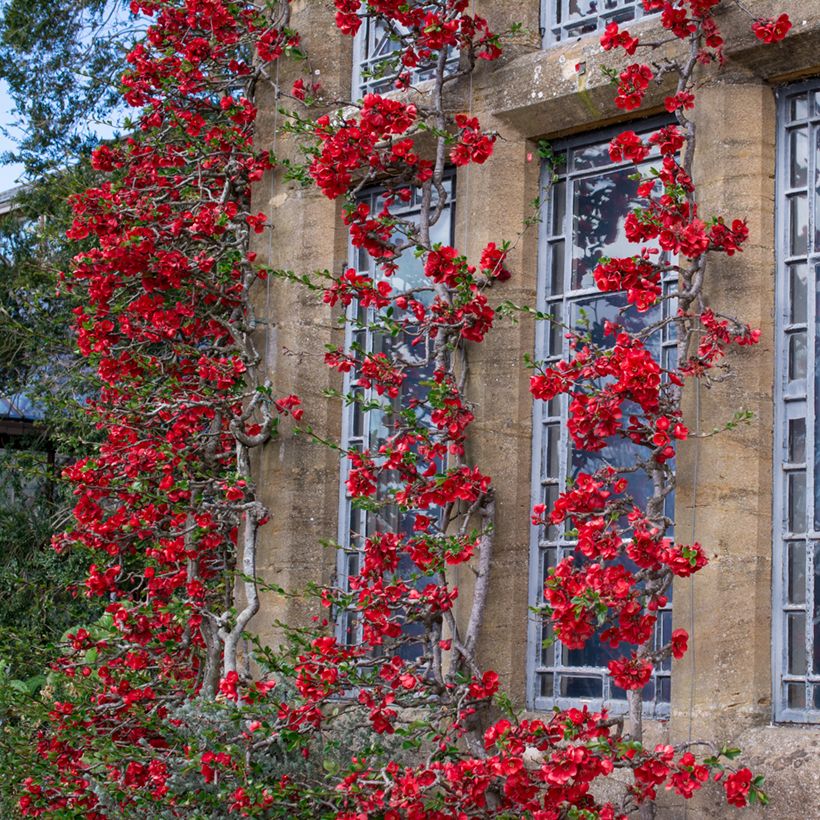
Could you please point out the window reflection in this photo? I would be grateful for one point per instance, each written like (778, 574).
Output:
(572, 18)
(373, 428)
(797, 511)
(587, 208)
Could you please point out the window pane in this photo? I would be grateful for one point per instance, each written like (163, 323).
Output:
(600, 206)
(557, 269)
(797, 356)
(600, 198)
(558, 197)
(796, 695)
(816, 615)
(552, 450)
(798, 225)
(797, 441)
(545, 688)
(550, 531)
(376, 59)
(796, 484)
(796, 631)
(570, 18)
(578, 687)
(592, 156)
(798, 158)
(816, 238)
(797, 292)
(797, 613)
(798, 107)
(371, 428)
(796, 580)
(555, 340)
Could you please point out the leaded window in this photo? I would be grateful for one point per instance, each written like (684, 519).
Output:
(796, 586)
(368, 418)
(588, 199)
(376, 62)
(566, 19)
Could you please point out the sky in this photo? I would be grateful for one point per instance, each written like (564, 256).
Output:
(9, 173)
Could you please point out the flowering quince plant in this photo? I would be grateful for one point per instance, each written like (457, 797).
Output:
(154, 708)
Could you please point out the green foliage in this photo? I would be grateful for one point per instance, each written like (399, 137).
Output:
(61, 60)
(42, 599)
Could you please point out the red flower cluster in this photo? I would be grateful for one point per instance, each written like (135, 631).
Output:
(772, 31)
(165, 503)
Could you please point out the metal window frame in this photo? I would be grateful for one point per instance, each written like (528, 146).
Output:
(362, 59)
(655, 708)
(556, 31)
(788, 401)
(346, 510)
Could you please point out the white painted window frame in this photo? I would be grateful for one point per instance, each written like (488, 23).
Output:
(542, 418)
(348, 559)
(796, 399)
(364, 42)
(558, 28)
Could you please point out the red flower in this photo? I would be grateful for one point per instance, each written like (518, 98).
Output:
(770, 30)
(680, 640)
(737, 786)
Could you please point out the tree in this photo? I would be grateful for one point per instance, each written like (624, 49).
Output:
(155, 704)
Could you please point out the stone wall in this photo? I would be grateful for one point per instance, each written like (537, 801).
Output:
(721, 690)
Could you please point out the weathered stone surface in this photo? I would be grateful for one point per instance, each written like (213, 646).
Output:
(722, 689)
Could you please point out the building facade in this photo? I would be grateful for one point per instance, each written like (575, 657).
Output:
(749, 495)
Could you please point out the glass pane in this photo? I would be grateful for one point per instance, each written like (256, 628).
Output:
(817, 697)
(559, 208)
(670, 358)
(575, 687)
(552, 449)
(599, 209)
(545, 688)
(798, 298)
(547, 648)
(796, 631)
(548, 561)
(816, 615)
(797, 441)
(590, 313)
(797, 502)
(557, 269)
(798, 107)
(665, 690)
(798, 158)
(648, 692)
(358, 527)
(798, 225)
(797, 356)
(796, 695)
(362, 260)
(359, 339)
(550, 497)
(555, 333)
(582, 8)
(352, 564)
(350, 629)
(796, 571)
(595, 653)
(591, 156)
(357, 423)
(816, 238)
